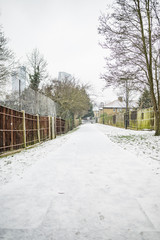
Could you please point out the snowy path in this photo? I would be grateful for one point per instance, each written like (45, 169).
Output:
(89, 188)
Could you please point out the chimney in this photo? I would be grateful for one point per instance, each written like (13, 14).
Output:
(120, 99)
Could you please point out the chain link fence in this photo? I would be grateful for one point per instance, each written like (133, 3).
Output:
(31, 102)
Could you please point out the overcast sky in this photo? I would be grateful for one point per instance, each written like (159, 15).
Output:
(64, 31)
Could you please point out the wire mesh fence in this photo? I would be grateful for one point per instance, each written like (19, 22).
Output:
(33, 102)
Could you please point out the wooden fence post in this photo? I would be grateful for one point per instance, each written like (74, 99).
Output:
(38, 128)
(4, 126)
(49, 122)
(24, 129)
(66, 126)
(11, 129)
(53, 128)
(60, 127)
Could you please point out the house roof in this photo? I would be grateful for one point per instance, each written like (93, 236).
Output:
(115, 104)
(120, 104)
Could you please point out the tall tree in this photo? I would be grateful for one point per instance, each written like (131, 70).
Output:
(37, 69)
(71, 97)
(6, 59)
(145, 100)
(131, 32)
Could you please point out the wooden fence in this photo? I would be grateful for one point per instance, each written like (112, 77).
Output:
(19, 129)
(138, 119)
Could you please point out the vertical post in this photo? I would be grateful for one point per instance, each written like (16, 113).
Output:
(24, 128)
(49, 122)
(66, 126)
(103, 113)
(154, 121)
(60, 127)
(137, 119)
(126, 118)
(4, 132)
(53, 128)
(20, 102)
(11, 129)
(159, 57)
(38, 128)
(102, 106)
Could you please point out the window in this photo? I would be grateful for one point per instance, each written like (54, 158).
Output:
(142, 115)
(134, 115)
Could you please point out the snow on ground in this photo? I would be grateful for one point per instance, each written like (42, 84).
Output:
(143, 144)
(14, 166)
(81, 186)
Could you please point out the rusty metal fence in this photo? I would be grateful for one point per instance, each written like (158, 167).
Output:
(19, 129)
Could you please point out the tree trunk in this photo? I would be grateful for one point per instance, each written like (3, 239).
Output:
(157, 123)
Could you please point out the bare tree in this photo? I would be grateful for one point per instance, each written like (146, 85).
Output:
(37, 69)
(6, 59)
(131, 33)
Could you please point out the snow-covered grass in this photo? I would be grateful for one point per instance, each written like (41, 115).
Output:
(142, 143)
(15, 165)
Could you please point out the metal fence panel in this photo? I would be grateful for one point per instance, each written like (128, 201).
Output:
(31, 102)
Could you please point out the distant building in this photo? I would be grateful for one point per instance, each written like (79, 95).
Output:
(19, 79)
(96, 112)
(64, 75)
(116, 106)
(113, 107)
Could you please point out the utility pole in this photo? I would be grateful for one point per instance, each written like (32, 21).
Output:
(127, 116)
(159, 61)
(103, 113)
(102, 104)
(20, 100)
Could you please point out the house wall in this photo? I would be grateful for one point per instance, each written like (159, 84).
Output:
(96, 114)
(111, 111)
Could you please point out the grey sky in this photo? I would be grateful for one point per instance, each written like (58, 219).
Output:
(65, 32)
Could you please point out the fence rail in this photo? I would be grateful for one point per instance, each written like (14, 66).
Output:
(19, 129)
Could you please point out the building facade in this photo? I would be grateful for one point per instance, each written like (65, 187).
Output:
(19, 79)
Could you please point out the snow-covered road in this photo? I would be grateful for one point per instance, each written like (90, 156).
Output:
(88, 188)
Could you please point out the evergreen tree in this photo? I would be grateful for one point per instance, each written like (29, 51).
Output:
(145, 100)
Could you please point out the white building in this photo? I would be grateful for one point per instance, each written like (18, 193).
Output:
(19, 79)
